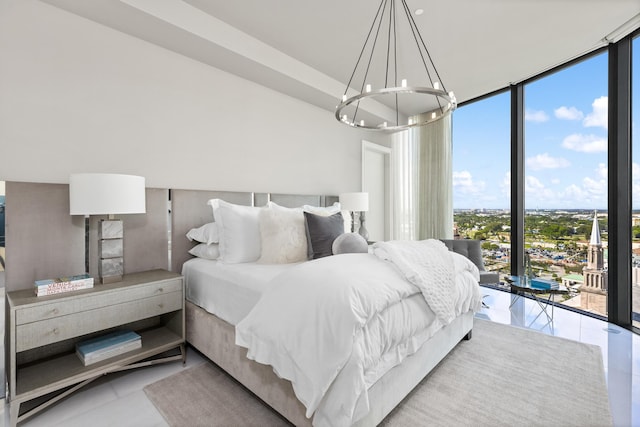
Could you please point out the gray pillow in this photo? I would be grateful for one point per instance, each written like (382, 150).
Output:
(348, 243)
(321, 232)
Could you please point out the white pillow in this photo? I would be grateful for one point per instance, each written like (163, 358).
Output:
(283, 235)
(238, 231)
(208, 233)
(330, 210)
(205, 251)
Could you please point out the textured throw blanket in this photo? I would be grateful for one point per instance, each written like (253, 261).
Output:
(429, 265)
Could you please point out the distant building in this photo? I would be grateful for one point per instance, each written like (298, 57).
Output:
(573, 280)
(595, 273)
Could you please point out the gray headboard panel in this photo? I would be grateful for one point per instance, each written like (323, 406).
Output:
(294, 201)
(45, 241)
(189, 209)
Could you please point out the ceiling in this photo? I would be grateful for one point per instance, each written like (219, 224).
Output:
(307, 49)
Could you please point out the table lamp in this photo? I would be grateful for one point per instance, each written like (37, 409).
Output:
(356, 202)
(107, 194)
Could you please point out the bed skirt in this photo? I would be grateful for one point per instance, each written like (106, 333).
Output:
(215, 338)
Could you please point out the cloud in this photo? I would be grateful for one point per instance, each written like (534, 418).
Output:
(535, 190)
(599, 114)
(535, 116)
(545, 161)
(463, 183)
(635, 185)
(570, 113)
(505, 185)
(585, 143)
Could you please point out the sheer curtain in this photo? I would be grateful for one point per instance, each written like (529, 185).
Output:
(422, 180)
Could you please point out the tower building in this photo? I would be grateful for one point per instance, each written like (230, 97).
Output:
(595, 273)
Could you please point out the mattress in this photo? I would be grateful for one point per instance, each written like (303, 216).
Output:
(228, 290)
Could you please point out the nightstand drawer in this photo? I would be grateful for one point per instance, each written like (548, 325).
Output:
(36, 334)
(62, 306)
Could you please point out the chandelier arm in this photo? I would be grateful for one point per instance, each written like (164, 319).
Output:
(413, 22)
(414, 30)
(395, 62)
(386, 68)
(366, 40)
(373, 49)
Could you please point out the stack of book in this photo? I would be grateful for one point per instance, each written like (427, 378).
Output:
(63, 284)
(113, 344)
(544, 284)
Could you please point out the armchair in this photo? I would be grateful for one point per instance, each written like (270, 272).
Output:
(472, 249)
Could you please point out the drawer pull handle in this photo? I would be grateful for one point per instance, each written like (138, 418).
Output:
(55, 311)
(161, 305)
(160, 290)
(56, 331)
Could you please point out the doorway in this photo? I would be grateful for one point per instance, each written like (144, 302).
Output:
(376, 180)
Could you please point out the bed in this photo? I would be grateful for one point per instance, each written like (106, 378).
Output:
(239, 293)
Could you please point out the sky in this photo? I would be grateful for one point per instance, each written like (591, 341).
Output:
(565, 142)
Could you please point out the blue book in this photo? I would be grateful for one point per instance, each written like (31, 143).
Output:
(106, 342)
(543, 284)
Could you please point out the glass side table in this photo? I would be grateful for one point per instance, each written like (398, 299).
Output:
(540, 290)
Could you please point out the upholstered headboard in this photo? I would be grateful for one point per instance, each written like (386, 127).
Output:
(45, 241)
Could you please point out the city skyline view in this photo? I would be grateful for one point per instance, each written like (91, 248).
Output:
(565, 143)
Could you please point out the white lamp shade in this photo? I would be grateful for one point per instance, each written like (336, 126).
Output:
(105, 194)
(355, 202)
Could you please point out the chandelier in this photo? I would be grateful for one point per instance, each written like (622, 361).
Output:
(407, 90)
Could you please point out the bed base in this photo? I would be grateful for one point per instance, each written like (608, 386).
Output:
(215, 338)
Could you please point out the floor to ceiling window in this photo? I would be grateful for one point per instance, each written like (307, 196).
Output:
(481, 170)
(540, 177)
(565, 182)
(635, 119)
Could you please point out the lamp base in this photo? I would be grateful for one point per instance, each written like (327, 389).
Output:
(110, 245)
(362, 229)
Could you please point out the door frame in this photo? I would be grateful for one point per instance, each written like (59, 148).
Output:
(368, 146)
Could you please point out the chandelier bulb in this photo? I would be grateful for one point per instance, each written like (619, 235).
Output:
(433, 115)
(344, 97)
(368, 88)
(436, 85)
(404, 82)
(361, 122)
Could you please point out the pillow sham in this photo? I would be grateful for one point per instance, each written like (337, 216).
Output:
(238, 231)
(331, 210)
(203, 250)
(283, 235)
(208, 233)
(321, 232)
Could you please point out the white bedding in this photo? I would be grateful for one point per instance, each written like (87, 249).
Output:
(335, 325)
(228, 290)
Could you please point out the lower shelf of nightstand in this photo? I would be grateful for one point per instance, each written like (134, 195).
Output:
(38, 379)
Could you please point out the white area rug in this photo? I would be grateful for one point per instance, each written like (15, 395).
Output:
(503, 376)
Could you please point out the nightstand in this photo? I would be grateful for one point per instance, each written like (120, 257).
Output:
(42, 333)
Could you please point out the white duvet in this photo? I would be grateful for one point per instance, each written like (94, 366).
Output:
(335, 325)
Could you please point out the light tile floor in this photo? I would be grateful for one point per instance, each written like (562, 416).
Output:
(620, 347)
(119, 399)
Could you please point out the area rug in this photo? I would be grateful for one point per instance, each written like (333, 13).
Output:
(503, 376)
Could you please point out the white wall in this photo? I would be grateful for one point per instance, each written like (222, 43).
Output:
(76, 96)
